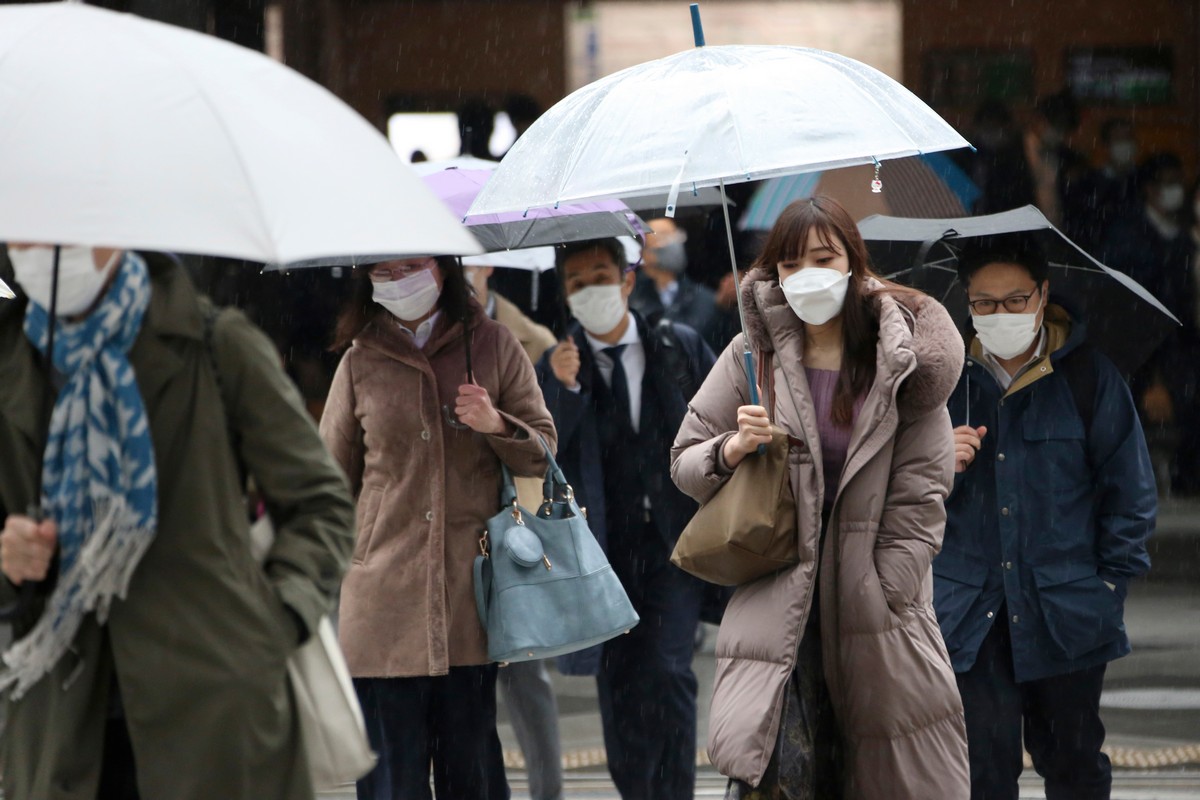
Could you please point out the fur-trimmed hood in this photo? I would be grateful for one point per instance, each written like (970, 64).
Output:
(911, 326)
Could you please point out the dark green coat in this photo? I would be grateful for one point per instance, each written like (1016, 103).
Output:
(199, 647)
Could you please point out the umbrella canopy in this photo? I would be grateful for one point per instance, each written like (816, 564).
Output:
(541, 259)
(923, 253)
(720, 114)
(457, 187)
(120, 131)
(928, 185)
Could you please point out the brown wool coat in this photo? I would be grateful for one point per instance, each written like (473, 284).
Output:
(890, 681)
(425, 489)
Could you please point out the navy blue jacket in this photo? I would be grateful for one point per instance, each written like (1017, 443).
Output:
(579, 441)
(695, 306)
(1047, 513)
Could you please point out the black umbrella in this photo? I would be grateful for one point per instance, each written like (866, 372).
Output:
(1124, 320)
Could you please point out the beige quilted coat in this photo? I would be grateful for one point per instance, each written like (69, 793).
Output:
(893, 691)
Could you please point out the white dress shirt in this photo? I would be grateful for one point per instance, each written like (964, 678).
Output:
(423, 332)
(633, 359)
(667, 296)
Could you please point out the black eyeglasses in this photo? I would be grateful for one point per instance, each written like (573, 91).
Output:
(1015, 304)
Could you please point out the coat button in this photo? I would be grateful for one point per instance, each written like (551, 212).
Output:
(1004, 512)
(429, 516)
(1002, 404)
(991, 614)
(1016, 618)
(1000, 457)
(1008, 565)
(425, 435)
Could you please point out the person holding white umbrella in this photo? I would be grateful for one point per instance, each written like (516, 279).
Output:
(155, 632)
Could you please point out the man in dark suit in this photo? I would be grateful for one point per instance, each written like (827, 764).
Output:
(664, 291)
(616, 389)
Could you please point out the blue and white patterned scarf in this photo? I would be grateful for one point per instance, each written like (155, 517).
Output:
(99, 482)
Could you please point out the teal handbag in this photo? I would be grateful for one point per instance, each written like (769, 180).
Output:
(543, 586)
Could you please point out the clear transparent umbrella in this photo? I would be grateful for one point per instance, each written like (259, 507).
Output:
(711, 116)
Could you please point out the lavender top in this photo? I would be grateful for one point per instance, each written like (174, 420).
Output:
(834, 439)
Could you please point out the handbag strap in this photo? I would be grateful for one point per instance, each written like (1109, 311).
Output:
(555, 479)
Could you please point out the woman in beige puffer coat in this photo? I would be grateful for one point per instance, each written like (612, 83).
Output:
(832, 677)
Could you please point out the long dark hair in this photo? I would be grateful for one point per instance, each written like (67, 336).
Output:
(360, 308)
(787, 241)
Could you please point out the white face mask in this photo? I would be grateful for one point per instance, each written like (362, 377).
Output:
(1171, 197)
(599, 309)
(816, 294)
(1122, 153)
(1007, 335)
(79, 282)
(408, 298)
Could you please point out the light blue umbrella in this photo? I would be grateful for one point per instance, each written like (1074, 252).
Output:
(928, 185)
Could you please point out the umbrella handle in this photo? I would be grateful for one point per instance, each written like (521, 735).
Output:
(29, 589)
(27, 594)
(748, 359)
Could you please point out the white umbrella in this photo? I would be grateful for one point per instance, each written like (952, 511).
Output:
(541, 259)
(116, 130)
(713, 115)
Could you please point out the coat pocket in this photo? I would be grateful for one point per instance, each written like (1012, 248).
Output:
(1056, 452)
(1080, 611)
(369, 501)
(957, 584)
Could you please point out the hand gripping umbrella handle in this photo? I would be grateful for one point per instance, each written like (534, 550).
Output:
(748, 358)
(27, 594)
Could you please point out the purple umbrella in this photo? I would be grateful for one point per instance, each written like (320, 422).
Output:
(457, 187)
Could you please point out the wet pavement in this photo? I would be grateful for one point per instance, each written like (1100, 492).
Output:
(1151, 704)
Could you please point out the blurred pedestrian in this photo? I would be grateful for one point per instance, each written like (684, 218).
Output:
(1048, 522)
(154, 660)
(663, 289)
(476, 123)
(522, 112)
(1109, 192)
(429, 398)
(525, 686)
(1058, 170)
(998, 165)
(1153, 246)
(618, 390)
(832, 679)
(729, 323)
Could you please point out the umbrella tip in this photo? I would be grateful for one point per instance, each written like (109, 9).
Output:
(697, 26)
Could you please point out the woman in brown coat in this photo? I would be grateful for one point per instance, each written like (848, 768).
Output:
(429, 399)
(832, 677)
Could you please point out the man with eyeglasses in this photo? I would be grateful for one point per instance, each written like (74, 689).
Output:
(1047, 522)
